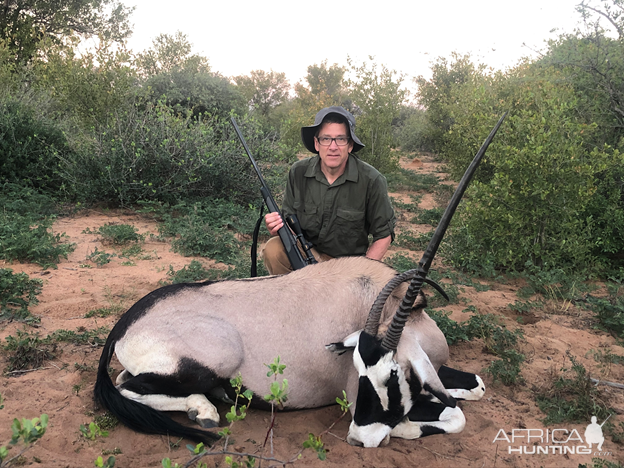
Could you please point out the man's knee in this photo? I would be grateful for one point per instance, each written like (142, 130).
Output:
(275, 258)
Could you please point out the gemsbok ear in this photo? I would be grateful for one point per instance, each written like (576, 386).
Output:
(427, 375)
(349, 343)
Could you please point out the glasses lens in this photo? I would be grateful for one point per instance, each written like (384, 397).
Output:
(340, 141)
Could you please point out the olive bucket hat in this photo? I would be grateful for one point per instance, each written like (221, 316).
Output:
(308, 133)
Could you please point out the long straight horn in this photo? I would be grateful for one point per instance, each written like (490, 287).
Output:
(391, 340)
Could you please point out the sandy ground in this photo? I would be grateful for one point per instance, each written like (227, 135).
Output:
(63, 387)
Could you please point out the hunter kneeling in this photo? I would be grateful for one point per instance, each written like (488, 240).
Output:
(338, 199)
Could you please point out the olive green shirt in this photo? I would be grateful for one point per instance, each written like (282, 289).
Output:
(338, 218)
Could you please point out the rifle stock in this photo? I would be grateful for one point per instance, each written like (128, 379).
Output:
(289, 241)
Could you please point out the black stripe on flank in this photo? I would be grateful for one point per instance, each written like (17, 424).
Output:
(138, 416)
(190, 378)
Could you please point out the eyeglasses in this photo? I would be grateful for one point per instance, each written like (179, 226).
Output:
(326, 141)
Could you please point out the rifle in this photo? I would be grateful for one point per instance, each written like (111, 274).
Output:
(289, 240)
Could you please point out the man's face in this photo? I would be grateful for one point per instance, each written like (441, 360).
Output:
(333, 157)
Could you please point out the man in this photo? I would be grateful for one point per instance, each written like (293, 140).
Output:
(338, 199)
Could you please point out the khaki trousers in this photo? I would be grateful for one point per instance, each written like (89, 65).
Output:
(276, 260)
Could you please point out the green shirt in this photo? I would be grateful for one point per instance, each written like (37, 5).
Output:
(338, 218)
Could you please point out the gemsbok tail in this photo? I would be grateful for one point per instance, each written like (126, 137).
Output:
(135, 415)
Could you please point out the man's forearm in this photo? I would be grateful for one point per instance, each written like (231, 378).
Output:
(378, 249)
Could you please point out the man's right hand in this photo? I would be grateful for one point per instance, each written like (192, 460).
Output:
(273, 223)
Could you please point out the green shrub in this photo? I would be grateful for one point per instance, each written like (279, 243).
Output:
(572, 397)
(17, 293)
(81, 336)
(408, 241)
(100, 258)
(25, 225)
(610, 311)
(496, 339)
(31, 143)
(507, 368)
(156, 154)
(411, 207)
(453, 332)
(28, 351)
(401, 262)
(431, 216)
(203, 229)
(539, 167)
(412, 134)
(120, 234)
(404, 179)
(195, 271)
(190, 273)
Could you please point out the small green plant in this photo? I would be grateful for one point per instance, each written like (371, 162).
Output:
(404, 179)
(408, 241)
(496, 339)
(17, 293)
(26, 219)
(316, 444)
(279, 392)
(29, 431)
(410, 207)
(524, 307)
(605, 359)
(104, 312)
(120, 234)
(92, 431)
(115, 451)
(192, 272)
(133, 250)
(81, 336)
(109, 463)
(601, 463)
(166, 463)
(100, 258)
(431, 216)
(453, 331)
(401, 262)
(507, 368)
(238, 412)
(28, 351)
(571, 397)
(106, 421)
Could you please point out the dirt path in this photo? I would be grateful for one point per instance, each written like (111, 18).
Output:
(63, 388)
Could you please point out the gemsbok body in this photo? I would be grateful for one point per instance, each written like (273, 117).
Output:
(181, 342)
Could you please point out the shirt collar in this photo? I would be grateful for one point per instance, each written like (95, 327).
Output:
(351, 171)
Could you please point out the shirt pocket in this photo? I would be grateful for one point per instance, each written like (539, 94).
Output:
(308, 218)
(350, 222)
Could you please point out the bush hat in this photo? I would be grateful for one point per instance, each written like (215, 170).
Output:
(308, 133)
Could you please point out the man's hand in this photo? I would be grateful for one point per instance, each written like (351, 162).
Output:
(273, 223)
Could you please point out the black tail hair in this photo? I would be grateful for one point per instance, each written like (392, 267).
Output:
(135, 415)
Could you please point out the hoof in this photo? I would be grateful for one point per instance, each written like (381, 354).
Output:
(192, 414)
(207, 423)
